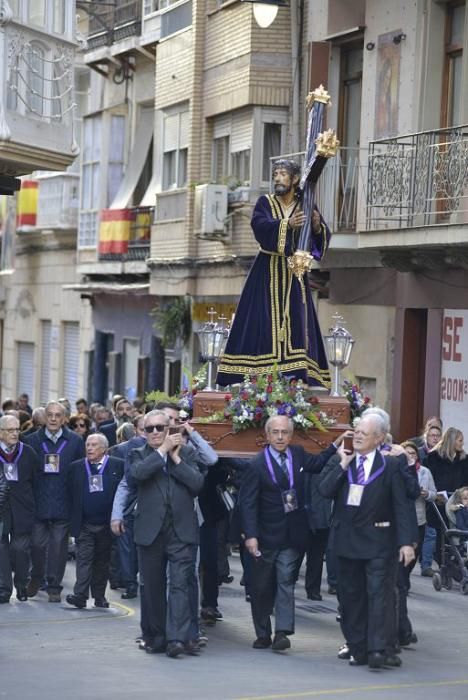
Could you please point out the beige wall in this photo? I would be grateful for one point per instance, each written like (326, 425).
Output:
(373, 329)
(34, 293)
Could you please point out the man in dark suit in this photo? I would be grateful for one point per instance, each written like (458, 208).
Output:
(19, 465)
(166, 528)
(373, 519)
(92, 483)
(274, 522)
(49, 550)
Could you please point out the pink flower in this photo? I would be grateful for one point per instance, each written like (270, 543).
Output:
(269, 389)
(227, 397)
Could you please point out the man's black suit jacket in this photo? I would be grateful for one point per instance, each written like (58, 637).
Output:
(160, 483)
(385, 500)
(261, 504)
(75, 481)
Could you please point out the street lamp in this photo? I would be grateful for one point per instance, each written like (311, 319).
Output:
(265, 11)
(212, 337)
(339, 345)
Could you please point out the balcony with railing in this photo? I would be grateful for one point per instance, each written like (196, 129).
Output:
(125, 234)
(113, 22)
(340, 193)
(418, 180)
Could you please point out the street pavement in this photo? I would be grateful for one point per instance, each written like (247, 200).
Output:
(51, 652)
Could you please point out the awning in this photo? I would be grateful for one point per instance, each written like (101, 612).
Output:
(149, 198)
(136, 161)
(108, 287)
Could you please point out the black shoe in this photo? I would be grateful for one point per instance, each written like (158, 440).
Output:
(280, 642)
(314, 596)
(225, 579)
(358, 660)
(174, 649)
(248, 598)
(152, 648)
(192, 647)
(344, 652)
(409, 639)
(76, 601)
(129, 594)
(338, 618)
(211, 614)
(101, 603)
(32, 588)
(376, 659)
(332, 590)
(392, 660)
(21, 594)
(262, 643)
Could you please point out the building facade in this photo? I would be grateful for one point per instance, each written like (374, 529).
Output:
(400, 73)
(39, 322)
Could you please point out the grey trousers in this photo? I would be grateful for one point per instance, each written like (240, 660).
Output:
(14, 557)
(93, 553)
(272, 588)
(167, 551)
(49, 552)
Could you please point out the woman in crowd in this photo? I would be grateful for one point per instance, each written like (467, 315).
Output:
(80, 423)
(448, 464)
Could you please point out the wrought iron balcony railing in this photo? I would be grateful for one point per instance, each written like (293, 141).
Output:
(418, 180)
(341, 188)
(109, 24)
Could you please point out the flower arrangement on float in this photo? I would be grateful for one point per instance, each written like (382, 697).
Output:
(358, 401)
(250, 404)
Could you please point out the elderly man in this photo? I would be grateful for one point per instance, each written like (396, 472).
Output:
(373, 518)
(92, 483)
(274, 522)
(19, 465)
(166, 529)
(50, 532)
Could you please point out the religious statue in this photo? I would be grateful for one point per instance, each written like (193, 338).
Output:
(275, 325)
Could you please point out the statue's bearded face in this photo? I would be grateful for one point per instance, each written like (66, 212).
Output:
(283, 182)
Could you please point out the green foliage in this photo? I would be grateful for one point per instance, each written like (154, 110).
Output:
(173, 320)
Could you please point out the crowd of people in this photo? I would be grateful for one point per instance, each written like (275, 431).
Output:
(145, 505)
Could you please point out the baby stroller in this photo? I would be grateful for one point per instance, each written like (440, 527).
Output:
(454, 555)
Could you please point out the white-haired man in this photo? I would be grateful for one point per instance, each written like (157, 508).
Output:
(49, 550)
(19, 465)
(373, 520)
(92, 483)
(274, 522)
(166, 528)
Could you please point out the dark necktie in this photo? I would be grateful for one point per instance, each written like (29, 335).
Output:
(283, 465)
(361, 475)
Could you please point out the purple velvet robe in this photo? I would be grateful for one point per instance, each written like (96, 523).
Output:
(273, 328)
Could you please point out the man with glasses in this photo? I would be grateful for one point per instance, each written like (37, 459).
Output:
(19, 465)
(50, 533)
(166, 529)
(274, 522)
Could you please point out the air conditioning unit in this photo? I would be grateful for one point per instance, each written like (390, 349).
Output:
(210, 212)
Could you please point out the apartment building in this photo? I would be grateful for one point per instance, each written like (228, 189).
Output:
(181, 94)
(397, 269)
(39, 321)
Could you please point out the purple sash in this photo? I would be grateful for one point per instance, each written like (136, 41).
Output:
(101, 468)
(20, 451)
(372, 477)
(288, 462)
(58, 451)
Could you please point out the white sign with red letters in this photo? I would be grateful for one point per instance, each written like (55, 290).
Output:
(454, 370)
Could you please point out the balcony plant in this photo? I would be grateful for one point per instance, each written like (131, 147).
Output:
(173, 320)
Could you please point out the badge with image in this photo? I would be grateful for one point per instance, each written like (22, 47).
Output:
(52, 464)
(10, 471)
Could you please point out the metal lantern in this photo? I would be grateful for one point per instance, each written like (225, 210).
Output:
(339, 345)
(213, 337)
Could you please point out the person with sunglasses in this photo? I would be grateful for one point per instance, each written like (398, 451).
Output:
(80, 423)
(166, 529)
